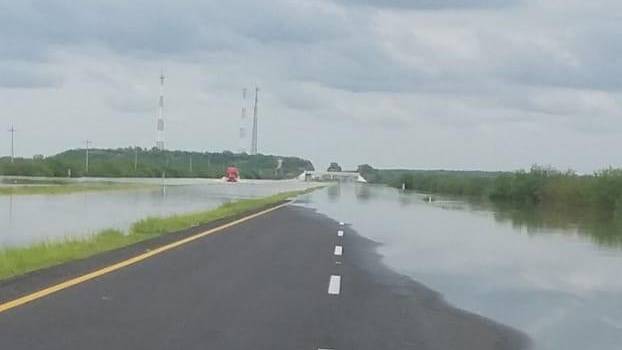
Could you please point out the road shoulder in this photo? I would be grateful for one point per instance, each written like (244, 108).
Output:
(19, 286)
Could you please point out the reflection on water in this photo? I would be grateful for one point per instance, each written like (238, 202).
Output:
(10, 210)
(35, 218)
(603, 227)
(334, 192)
(551, 273)
(363, 192)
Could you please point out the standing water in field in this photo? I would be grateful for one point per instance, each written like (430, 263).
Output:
(27, 219)
(546, 274)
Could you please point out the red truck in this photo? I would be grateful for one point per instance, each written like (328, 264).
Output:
(233, 174)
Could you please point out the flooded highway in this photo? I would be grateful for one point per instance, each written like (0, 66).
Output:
(27, 219)
(552, 276)
(554, 279)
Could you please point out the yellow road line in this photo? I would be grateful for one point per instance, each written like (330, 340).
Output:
(89, 276)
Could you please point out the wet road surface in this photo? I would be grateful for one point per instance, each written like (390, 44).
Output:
(285, 280)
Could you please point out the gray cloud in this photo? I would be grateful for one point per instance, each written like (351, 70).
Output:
(435, 4)
(131, 104)
(393, 71)
(25, 76)
(158, 27)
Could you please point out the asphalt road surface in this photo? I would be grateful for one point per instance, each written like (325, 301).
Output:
(284, 280)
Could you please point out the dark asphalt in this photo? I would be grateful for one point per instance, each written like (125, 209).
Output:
(259, 285)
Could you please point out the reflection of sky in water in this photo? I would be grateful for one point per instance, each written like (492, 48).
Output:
(30, 218)
(558, 287)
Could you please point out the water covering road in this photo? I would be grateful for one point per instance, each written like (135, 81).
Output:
(554, 279)
(27, 219)
(553, 282)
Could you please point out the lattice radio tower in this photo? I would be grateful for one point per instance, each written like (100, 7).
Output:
(160, 122)
(254, 141)
(243, 123)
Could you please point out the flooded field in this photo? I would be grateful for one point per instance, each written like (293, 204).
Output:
(552, 275)
(26, 219)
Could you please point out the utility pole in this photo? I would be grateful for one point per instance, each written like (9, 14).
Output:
(135, 158)
(191, 163)
(88, 143)
(254, 140)
(12, 131)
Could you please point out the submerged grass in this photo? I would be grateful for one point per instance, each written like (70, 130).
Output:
(601, 190)
(68, 188)
(17, 261)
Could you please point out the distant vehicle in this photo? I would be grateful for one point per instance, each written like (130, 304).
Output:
(232, 175)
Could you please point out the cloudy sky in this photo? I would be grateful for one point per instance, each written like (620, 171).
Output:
(475, 84)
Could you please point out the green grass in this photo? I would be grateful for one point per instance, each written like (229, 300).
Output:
(68, 188)
(17, 261)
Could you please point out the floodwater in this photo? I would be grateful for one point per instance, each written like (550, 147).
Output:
(555, 277)
(27, 219)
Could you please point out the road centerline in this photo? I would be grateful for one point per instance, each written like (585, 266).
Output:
(338, 250)
(334, 285)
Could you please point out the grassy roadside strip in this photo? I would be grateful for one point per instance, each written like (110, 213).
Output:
(17, 261)
(69, 188)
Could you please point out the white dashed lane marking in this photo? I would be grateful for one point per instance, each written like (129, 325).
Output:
(334, 285)
(338, 250)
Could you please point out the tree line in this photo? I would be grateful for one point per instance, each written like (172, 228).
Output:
(142, 162)
(539, 185)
